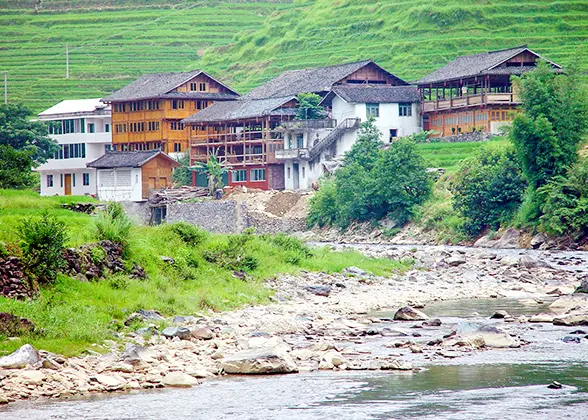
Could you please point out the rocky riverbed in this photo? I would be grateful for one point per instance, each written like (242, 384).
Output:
(347, 321)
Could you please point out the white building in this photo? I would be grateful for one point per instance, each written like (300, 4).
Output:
(311, 146)
(81, 127)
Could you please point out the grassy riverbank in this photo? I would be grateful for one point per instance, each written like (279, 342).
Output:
(72, 315)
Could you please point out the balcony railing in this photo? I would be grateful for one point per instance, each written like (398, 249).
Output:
(292, 154)
(471, 100)
(231, 138)
(309, 124)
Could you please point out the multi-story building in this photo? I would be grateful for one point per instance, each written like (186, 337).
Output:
(147, 114)
(82, 129)
(249, 133)
(475, 92)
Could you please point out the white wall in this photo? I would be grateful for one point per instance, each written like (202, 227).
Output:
(117, 185)
(77, 182)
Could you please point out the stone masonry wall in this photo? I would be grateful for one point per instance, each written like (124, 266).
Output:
(224, 216)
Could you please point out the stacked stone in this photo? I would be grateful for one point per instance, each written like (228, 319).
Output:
(82, 263)
(13, 282)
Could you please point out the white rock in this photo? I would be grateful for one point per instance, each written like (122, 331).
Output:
(259, 361)
(108, 381)
(24, 356)
(179, 379)
(32, 377)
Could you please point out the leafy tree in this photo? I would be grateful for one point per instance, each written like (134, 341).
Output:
(564, 202)
(15, 168)
(42, 243)
(554, 119)
(20, 133)
(214, 170)
(308, 107)
(488, 189)
(374, 183)
(183, 174)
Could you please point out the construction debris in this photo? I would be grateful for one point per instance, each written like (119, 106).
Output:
(171, 195)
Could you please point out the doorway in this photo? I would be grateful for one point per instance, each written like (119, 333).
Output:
(67, 183)
(295, 176)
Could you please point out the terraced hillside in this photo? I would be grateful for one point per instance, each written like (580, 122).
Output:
(248, 42)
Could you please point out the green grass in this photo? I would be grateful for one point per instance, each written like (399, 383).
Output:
(449, 155)
(72, 315)
(246, 43)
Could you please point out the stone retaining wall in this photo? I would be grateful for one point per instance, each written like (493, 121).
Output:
(463, 138)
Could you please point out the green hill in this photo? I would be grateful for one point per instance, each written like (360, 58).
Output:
(247, 42)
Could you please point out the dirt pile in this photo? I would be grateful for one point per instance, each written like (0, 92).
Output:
(273, 204)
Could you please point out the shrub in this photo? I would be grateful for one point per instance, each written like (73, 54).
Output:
(190, 234)
(564, 202)
(374, 183)
(114, 225)
(488, 189)
(42, 244)
(232, 254)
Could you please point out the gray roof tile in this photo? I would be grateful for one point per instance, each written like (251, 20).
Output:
(376, 93)
(240, 109)
(113, 159)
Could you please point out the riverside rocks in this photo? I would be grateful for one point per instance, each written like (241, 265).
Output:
(301, 331)
(93, 261)
(27, 355)
(409, 314)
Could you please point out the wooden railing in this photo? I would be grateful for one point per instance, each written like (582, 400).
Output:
(309, 124)
(471, 100)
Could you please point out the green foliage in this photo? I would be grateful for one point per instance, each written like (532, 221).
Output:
(15, 168)
(42, 244)
(113, 224)
(190, 234)
(233, 254)
(374, 183)
(554, 119)
(308, 107)
(488, 189)
(564, 202)
(183, 174)
(214, 169)
(18, 132)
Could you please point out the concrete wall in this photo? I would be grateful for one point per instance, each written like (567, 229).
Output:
(115, 185)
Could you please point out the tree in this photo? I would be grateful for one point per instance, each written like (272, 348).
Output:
(183, 174)
(308, 107)
(15, 168)
(375, 182)
(214, 170)
(488, 188)
(20, 133)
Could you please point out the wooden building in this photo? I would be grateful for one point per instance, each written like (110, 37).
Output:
(148, 113)
(475, 92)
(131, 176)
(249, 131)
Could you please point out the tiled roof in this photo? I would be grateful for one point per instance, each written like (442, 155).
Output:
(153, 86)
(293, 82)
(476, 64)
(240, 109)
(113, 159)
(376, 93)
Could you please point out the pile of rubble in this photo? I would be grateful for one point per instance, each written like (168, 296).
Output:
(93, 261)
(13, 281)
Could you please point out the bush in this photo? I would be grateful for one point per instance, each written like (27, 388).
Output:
(42, 244)
(488, 189)
(232, 254)
(374, 183)
(114, 225)
(188, 233)
(564, 202)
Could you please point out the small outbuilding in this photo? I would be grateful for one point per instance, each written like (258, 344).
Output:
(130, 176)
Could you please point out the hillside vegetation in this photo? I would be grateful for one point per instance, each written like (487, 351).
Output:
(248, 42)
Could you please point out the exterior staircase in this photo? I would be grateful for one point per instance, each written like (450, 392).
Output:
(346, 125)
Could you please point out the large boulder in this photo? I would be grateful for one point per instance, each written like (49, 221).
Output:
(567, 303)
(259, 361)
(509, 239)
(409, 314)
(572, 320)
(583, 287)
(179, 379)
(530, 262)
(180, 332)
(491, 336)
(135, 354)
(25, 356)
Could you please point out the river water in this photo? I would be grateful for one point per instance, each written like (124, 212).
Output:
(498, 384)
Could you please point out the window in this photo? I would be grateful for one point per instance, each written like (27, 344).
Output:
(258, 175)
(71, 151)
(107, 128)
(193, 87)
(177, 147)
(86, 179)
(202, 87)
(240, 175)
(299, 141)
(372, 110)
(61, 180)
(123, 178)
(73, 179)
(49, 181)
(393, 133)
(91, 128)
(177, 125)
(177, 104)
(404, 110)
(303, 172)
(289, 174)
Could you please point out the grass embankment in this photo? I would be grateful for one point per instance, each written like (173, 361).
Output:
(246, 43)
(73, 314)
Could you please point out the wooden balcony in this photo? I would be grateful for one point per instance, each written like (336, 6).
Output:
(460, 102)
(228, 138)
